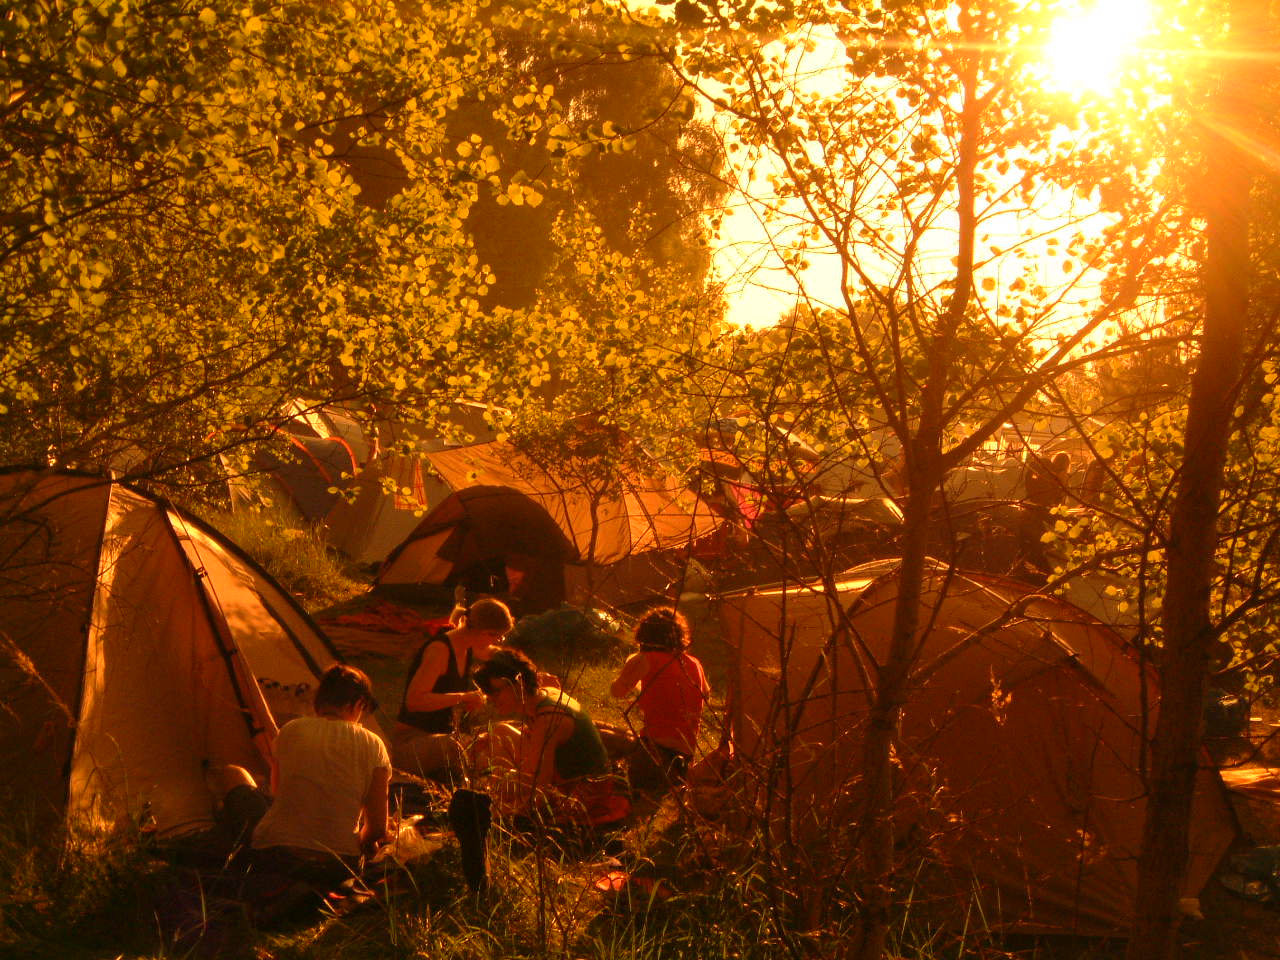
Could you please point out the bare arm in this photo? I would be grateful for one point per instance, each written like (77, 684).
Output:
(373, 827)
(420, 698)
(629, 676)
(543, 734)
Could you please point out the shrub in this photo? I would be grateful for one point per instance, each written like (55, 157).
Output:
(74, 887)
(567, 638)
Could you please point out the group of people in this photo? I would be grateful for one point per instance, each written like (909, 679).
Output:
(541, 755)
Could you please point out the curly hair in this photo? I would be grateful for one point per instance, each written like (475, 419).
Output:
(663, 628)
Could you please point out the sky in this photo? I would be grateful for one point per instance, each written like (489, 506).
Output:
(1086, 52)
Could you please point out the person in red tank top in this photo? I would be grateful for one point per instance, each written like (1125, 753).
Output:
(673, 690)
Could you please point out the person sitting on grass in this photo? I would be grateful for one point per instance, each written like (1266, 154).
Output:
(549, 766)
(423, 741)
(327, 807)
(329, 776)
(673, 690)
(553, 759)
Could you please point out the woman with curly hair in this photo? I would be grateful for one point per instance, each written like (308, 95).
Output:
(673, 689)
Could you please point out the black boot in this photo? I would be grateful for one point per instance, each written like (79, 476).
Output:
(469, 817)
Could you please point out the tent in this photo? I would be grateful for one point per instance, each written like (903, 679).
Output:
(138, 650)
(606, 520)
(621, 541)
(491, 540)
(1018, 752)
(320, 449)
(397, 486)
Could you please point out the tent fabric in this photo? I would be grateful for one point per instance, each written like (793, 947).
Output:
(1018, 750)
(637, 513)
(486, 529)
(310, 473)
(374, 522)
(370, 524)
(138, 650)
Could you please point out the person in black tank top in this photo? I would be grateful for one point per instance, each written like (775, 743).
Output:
(438, 681)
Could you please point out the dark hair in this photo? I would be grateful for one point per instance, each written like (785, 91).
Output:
(488, 614)
(663, 628)
(342, 687)
(507, 664)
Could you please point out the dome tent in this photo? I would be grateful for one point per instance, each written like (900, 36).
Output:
(1019, 749)
(490, 539)
(139, 650)
(552, 530)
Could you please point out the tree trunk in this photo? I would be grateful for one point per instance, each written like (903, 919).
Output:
(891, 694)
(1188, 631)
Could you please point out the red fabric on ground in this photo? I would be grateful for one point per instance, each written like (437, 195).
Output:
(387, 617)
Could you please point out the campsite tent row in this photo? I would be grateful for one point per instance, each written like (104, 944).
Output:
(139, 651)
(484, 514)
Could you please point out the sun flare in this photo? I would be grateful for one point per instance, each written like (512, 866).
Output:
(1088, 47)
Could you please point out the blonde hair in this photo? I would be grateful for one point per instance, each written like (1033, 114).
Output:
(488, 614)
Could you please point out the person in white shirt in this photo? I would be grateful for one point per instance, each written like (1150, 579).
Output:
(329, 777)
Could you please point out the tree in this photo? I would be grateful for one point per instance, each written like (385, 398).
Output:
(184, 244)
(1189, 633)
(926, 163)
(624, 151)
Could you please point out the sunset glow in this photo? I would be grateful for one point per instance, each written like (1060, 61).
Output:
(1087, 49)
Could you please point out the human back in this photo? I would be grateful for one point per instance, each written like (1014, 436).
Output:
(324, 772)
(329, 775)
(673, 685)
(673, 690)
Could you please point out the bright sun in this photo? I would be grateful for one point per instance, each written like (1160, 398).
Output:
(1087, 48)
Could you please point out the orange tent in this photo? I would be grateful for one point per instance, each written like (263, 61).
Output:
(569, 533)
(1019, 751)
(138, 650)
(617, 515)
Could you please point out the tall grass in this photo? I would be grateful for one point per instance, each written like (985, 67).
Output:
(86, 894)
(72, 890)
(293, 552)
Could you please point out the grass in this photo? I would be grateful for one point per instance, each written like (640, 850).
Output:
(294, 553)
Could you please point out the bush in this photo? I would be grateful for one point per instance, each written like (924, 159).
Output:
(74, 887)
(564, 639)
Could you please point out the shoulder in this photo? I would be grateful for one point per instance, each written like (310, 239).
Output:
(692, 661)
(553, 702)
(369, 743)
(634, 663)
(299, 728)
(301, 737)
(434, 651)
(291, 731)
(437, 640)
